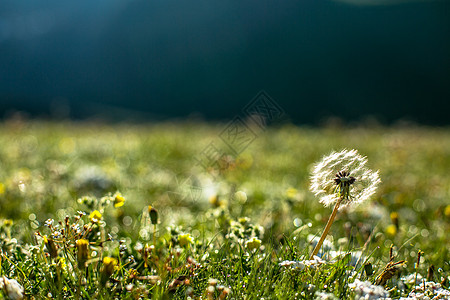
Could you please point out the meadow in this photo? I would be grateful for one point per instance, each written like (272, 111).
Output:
(126, 211)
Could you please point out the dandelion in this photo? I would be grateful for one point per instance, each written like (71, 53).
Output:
(95, 216)
(185, 239)
(342, 179)
(119, 200)
(11, 288)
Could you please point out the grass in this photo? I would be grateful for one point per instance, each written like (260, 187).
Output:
(211, 242)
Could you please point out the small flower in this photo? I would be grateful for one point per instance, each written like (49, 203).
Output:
(324, 296)
(253, 244)
(291, 193)
(301, 264)
(119, 200)
(365, 290)
(343, 176)
(49, 223)
(11, 288)
(185, 239)
(391, 231)
(447, 211)
(8, 223)
(95, 216)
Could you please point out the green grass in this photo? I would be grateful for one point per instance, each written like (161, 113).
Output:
(56, 170)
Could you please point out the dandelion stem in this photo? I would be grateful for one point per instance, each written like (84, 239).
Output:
(325, 231)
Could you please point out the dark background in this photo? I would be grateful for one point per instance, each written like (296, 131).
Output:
(143, 60)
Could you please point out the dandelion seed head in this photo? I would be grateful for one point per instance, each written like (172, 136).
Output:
(343, 176)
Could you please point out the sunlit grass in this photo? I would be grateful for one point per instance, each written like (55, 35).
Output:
(245, 231)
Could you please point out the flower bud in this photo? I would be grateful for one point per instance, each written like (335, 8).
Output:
(82, 252)
(51, 247)
(109, 265)
(153, 214)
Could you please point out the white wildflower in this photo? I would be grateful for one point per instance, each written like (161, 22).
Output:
(294, 264)
(324, 296)
(11, 288)
(301, 264)
(364, 290)
(428, 291)
(411, 278)
(343, 176)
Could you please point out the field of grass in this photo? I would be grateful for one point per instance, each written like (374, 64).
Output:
(91, 211)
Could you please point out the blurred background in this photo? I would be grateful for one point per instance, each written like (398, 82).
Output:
(150, 60)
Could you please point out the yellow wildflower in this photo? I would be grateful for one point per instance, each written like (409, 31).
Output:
(391, 231)
(95, 216)
(119, 200)
(447, 211)
(185, 239)
(291, 193)
(8, 223)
